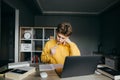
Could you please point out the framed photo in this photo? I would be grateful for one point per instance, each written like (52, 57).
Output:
(26, 47)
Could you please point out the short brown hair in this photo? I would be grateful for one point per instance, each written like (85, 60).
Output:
(64, 28)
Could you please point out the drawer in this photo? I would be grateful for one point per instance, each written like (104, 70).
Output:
(110, 62)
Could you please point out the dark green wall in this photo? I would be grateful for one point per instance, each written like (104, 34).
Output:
(0, 25)
(85, 29)
(7, 29)
(88, 30)
(110, 29)
(26, 17)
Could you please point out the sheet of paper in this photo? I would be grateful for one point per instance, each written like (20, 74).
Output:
(46, 67)
(58, 66)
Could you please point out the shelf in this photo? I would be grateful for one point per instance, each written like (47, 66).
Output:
(36, 51)
(32, 43)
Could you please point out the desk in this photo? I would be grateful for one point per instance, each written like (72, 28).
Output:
(53, 76)
(88, 77)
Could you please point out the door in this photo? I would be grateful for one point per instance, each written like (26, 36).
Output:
(7, 32)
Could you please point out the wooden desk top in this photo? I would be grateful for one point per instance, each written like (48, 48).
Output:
(53, 76)
(88, 77)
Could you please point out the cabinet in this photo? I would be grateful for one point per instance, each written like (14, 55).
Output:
(32, 41)
(109, 60)
(113, 61)
(102, 61)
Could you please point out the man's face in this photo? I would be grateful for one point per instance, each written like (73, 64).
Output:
(61, 38)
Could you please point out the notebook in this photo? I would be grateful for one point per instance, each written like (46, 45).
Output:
(79, 66)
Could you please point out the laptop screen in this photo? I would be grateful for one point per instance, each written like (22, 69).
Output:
(79, 65)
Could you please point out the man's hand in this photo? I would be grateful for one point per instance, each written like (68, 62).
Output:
(53, 50)
(67, 41)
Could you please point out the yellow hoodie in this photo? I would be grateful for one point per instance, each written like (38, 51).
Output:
(62, 51)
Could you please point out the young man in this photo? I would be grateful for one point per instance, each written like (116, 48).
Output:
(56, 50)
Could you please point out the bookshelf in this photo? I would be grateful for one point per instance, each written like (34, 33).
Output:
(32, 41)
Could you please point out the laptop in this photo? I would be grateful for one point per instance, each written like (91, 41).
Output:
(79, 66)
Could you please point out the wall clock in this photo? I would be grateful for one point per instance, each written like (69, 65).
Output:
(27, 35)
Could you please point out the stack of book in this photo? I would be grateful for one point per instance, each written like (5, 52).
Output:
(16, 71)
(20, 73)
(114, 74)
(3, 70)
(18, 64)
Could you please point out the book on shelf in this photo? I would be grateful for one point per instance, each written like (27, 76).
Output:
(18, 64)
(26, 47)
(35, 59)
(19, 73)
